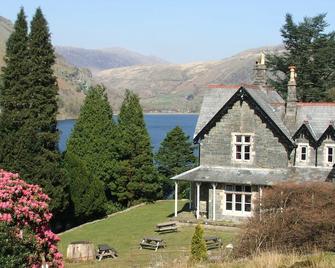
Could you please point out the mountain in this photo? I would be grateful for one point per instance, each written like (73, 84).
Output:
(179, 87)
(162, 87)
(101, 59)
(72, 81)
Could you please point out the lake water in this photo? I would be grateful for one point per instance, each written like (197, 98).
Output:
(157, 125)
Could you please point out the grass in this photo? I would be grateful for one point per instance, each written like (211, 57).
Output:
(267, 260)
(124, 232)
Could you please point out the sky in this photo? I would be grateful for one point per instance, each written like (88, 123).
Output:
(179, 31)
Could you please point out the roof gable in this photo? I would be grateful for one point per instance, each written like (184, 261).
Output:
(329, 131)
(261, 108)
(307, 130)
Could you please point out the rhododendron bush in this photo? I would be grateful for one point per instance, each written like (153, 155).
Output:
(24, 207)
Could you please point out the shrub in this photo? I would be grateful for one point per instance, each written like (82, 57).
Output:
(24, 209)
(15, 251)
(292, 217)
(198, 246)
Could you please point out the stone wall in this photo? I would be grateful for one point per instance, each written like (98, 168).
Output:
(217, 146)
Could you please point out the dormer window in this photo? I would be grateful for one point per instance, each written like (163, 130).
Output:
(303, 152)
(330, 151)
(330, 154)
(242, 147)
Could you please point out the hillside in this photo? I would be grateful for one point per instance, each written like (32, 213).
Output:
(179, 87)
(72, 81)
(162, 87)
(101, 59)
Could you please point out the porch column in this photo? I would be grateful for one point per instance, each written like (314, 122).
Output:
(198, 200)
(260, 201)
(175, 198)
(190, 197)
(214, 191)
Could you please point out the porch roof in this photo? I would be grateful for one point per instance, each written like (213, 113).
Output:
(250, 176)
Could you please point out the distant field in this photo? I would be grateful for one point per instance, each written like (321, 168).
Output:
(124, 232)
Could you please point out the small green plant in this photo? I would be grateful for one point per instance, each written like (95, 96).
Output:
(198, 246)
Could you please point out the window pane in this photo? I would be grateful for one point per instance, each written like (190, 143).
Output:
(238, 198)
(238, 207)
(229, 197)
(247, 139)
(247, 148)
(238, 188)
(330, 154)
(247, 207)
(238, 155)
(247, 198)
(247, 189)
(229, 206)
(238, 138)
(229, 188)
(303, 156)
(246, 156)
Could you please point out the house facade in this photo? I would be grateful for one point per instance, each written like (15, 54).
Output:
(249, 138)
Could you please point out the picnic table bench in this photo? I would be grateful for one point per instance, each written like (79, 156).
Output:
(152, 243)
(105, 250)
(213, 242)
(167, 227)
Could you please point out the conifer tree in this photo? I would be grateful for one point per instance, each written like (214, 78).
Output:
(14, 97)
(43, 111)
(174, 156)
(137, 178)
(86, 192)
(198, 245)
(312, 51)
(92, 142)
(28, 102)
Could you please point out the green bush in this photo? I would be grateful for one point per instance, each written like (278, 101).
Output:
(198, 246)
(14, 251)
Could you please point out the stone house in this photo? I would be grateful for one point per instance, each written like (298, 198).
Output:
(249, 138)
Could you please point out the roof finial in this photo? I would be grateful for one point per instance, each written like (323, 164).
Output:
(262, 61)
(293, 74)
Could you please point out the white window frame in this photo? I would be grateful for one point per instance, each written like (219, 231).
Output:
(243, 194)
(299, 152)
(326, 154)
(243, 145)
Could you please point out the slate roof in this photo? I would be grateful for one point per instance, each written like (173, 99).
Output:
(249, 176)
(270, 102)
(318, 116)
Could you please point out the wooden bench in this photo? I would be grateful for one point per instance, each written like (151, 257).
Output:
(152, 243)
(167, 227)
(213, 242)
(105, 250)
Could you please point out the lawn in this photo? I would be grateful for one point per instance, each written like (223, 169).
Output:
(124, 232)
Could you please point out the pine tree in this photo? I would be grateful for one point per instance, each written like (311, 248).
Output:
(174, 156)
(198, 245)
(43, 111)
(14, 97)
(92, 142)
(85, 191)
(137, 178)
(312, 51)
(29, 137)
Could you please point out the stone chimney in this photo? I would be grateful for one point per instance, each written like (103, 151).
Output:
(291, 102)
(260, 77)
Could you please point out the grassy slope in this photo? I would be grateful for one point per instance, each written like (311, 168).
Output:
(124, 232)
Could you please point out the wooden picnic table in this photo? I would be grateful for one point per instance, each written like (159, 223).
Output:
(152, 243)
(105, 250)
(213, 242)
(167, 227)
